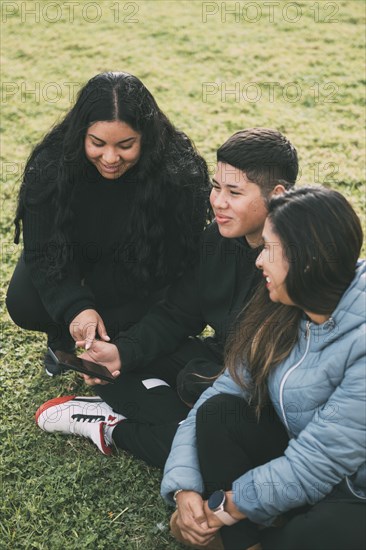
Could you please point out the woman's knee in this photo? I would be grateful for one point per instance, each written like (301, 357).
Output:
(23, 301)
(14, 301)
(220, 411)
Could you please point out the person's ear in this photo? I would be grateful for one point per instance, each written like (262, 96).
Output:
(278, 190)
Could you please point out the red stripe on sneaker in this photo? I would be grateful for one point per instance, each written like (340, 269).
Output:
(51, 403)
(105, 449)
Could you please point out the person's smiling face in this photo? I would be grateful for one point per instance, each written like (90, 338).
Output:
(238, 204)
(274, 264)
(113, 147)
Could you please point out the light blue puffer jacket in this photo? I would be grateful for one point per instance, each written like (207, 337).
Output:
(319, 392)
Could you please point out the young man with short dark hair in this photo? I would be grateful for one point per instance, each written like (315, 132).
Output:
(161, 363)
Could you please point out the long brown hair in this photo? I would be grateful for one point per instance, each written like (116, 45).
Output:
(321, 236)
(263, 336)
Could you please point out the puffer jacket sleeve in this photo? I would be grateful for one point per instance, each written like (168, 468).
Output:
(182, 468)
(329, 448)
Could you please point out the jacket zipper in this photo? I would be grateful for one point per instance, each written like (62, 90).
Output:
(352, 490)
(284, 379)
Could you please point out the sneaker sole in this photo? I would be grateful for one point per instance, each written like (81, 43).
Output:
(65, 399)
(51, 374)
(51, 403)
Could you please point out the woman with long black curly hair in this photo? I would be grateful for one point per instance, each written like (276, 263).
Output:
(112, 203)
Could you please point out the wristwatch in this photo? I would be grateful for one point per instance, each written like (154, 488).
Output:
(216, 504)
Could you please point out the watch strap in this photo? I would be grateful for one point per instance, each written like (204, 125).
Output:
(225, 517)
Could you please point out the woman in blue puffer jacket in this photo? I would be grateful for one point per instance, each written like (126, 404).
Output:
(279, 440)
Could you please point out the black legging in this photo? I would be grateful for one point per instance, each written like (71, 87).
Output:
(27, 311)
(230, 441)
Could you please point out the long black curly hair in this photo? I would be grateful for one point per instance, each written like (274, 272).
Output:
(172, 178)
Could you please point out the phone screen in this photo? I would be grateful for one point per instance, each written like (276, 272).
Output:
(82, 365)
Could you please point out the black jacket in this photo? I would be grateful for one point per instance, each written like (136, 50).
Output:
(95, 272)
(211, 294)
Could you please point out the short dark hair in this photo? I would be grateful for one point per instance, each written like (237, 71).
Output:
(265, 155)
(322, 238)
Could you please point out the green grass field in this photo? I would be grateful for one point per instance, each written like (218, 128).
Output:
(214, 68)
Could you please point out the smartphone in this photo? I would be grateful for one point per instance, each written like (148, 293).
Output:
(70, 361)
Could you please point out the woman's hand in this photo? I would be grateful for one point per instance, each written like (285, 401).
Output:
(86, 325)
(229, 507)
(192, 520)
(104, 354)
(212, 519)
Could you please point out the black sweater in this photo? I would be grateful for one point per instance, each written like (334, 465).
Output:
(211, 294)
(94, 273)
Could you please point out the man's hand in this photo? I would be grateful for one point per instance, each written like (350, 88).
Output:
(85, 326)
(104, 354)
(192, 520)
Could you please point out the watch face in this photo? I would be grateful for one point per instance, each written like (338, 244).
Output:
(216, 499)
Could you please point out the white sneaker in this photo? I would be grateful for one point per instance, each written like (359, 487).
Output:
(84, 416)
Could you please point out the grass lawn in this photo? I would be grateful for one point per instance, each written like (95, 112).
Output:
(214, 67)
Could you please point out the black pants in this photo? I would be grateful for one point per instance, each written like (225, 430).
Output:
(154, 409)
(230, 442)
(153, 413)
